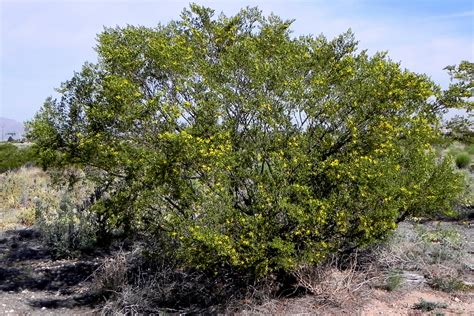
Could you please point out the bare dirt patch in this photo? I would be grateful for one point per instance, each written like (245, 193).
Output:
(31, 282)
(404, 303)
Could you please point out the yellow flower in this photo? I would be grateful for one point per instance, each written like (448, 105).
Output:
(334, 163)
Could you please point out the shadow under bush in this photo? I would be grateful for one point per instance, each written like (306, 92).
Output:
(133, 282)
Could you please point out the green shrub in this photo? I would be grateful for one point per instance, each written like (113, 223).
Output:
(12, 157)
(447, 284)
(461, 127)
(428, 306)
(237, 145)
(65, 229)
(394, 280)
(470, 149)
(463, 160)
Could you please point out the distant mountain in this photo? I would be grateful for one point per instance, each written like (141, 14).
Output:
(8, 126)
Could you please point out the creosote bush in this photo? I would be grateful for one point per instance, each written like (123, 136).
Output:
(241, 146)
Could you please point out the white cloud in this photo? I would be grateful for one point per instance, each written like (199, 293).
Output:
(457, 15)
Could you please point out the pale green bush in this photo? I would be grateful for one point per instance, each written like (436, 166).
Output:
(66, 229)
(29, 196)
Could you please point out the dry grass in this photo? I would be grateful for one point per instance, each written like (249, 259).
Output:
(131, 286)
(111, 276)
(111, 281)
(30, 196)
(19, 191)
(436, 252)
(431, 255)
(333, 285)
(134, 285)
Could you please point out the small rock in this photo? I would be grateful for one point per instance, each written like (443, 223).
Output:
(413, 277)
(43, 308)
(456, 299)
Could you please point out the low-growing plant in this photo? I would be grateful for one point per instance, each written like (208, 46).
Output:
(336, 282)
(447, 284)
(18, 190)
(432, 254)
(463, 160)
(112, 276)
(393, 280)
(470, 149)
(27, 217)
(428, 306)
(132, 283)
(29, 196)
(65, 228)
(441, 243)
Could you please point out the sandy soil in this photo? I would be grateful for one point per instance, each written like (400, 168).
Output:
(31, 283)
(395, 303)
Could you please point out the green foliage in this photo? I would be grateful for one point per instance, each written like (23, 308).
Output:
(247, 147)
(12, 157)
(460, 91)
(440, 244)
(65, 229)
(461, 128)
(470, 149)
(448, 284)
(394, 280)
(463, 160)
(428, 306)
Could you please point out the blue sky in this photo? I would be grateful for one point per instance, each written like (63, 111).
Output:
(43, 42)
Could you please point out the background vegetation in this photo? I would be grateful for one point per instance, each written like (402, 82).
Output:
(14, 156)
